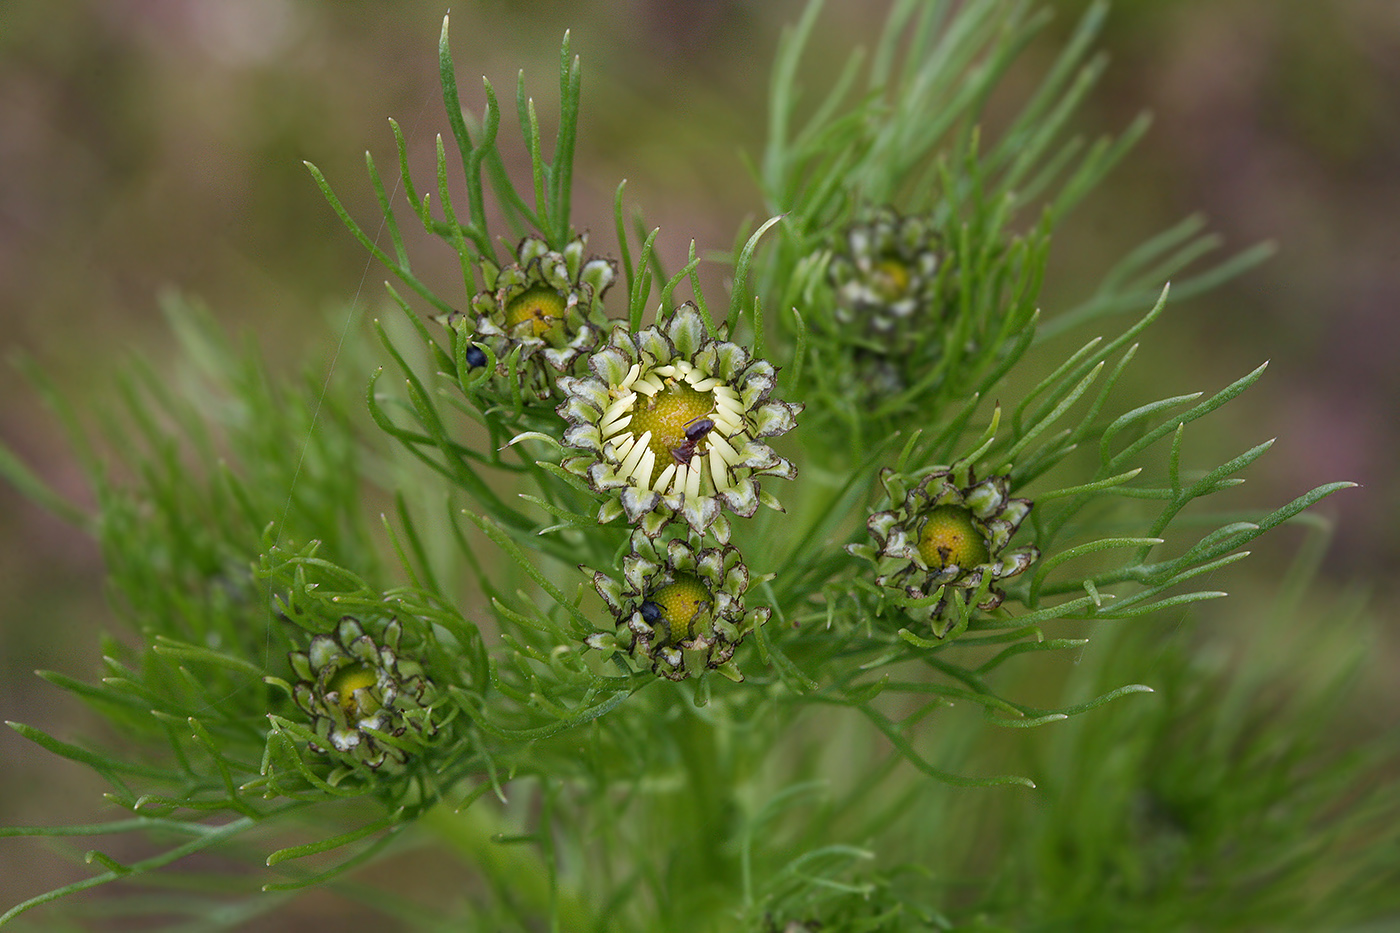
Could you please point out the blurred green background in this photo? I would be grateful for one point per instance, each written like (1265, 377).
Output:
(148, 145)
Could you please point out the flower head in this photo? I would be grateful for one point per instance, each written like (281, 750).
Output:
(349, 684)
(680, 607)
(887, 274)
(940, 534)
(548, 303)
(675, 421)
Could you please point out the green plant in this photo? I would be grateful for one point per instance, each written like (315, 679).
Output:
(599, 493)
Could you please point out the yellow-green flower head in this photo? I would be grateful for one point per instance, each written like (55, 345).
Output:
(675, 421)
(942, 534)
(548, 303)
(679, 608)
(887, 272)
(350, 684)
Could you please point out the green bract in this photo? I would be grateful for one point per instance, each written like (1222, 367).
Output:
(675, 422)
(679, 607)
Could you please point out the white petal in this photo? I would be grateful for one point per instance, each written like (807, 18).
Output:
(642, 474)
(718, 443)
(623, 447)
(610, 429)
(727, 422)
(692, 478)
(617, 409)
(629, 465)
(719, 472)
(664, 478)
(730, 408)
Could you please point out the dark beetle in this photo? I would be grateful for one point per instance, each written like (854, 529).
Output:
(694, 433)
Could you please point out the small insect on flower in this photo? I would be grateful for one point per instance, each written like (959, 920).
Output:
(475, 357)
(694, 433)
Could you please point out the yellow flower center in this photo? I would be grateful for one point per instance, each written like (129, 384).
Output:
(891, 278)
(950, 537)
(346, 681)
(685, 606)
(542, 308)
(666, 415)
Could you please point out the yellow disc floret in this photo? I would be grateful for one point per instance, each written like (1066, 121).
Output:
(346, 681)
(950, 537)
(541, 307)
(684, 605)
(666, 415)
(890, 277)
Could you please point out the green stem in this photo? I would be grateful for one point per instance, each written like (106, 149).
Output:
(477, 836)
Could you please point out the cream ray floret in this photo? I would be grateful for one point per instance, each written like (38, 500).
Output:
(675, 421)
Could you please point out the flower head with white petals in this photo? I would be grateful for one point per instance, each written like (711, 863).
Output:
(675, 420)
